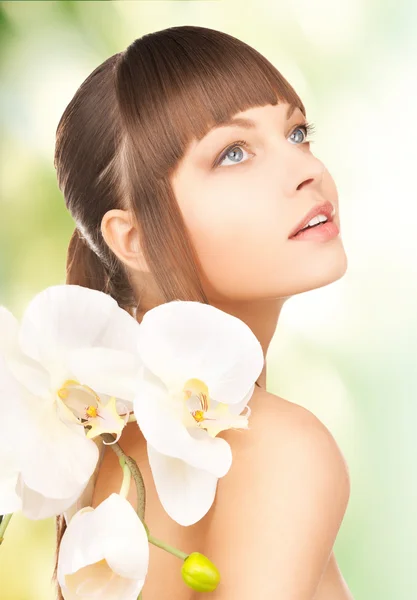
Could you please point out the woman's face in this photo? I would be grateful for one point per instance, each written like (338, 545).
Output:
(241, 211)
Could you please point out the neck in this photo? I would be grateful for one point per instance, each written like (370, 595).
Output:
(262, 318)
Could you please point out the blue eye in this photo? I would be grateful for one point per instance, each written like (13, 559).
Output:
(306, 126)
(224, 155)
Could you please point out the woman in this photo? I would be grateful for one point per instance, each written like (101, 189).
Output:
(170, 203)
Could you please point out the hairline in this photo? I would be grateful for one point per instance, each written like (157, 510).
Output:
(242, 122)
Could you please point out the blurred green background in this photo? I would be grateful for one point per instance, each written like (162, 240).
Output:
(348, 351)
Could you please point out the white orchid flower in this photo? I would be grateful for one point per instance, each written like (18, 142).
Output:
(201, 365)
(69, 336)
(104, 553)
(10, 501)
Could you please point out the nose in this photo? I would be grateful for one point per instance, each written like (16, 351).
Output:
(313, 175)
(304, 183)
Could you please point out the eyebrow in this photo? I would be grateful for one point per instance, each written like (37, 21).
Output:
(244, 122)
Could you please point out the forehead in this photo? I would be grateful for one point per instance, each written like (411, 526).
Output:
(251, 119)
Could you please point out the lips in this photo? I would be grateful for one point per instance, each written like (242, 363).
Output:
(325, 208)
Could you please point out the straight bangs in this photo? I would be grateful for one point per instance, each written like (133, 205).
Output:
(171, 87)
(193, 79)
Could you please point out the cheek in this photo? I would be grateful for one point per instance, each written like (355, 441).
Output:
(238, 236)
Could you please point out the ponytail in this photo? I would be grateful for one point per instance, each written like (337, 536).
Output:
(96, 271)
(85, 268)
(60, 527)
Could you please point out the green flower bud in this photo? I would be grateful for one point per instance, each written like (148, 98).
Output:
(199, 573)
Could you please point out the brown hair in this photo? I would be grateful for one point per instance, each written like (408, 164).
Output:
(123, 134)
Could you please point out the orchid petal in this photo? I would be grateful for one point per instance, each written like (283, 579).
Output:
(125, 525)
(9, 327)
(86, 498)
(237, 408)
(221, 419)
(104, 552)
(185, 492)
(12, 399)
(234, 409)
(30, 375)
(24, 369)
(107, 371)
(182, 339)
(160, 420)
(56, 458)
(62, 318)
(35, 506)
(41, 453)
(98, 581)
(107, 420)
(10, 501)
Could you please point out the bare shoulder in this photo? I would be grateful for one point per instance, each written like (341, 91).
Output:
(284, 434)
(278, 510)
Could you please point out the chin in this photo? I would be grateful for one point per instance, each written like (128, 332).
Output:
(330, 270)
(318, 272)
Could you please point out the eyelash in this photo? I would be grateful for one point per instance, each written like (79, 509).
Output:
(307, 125)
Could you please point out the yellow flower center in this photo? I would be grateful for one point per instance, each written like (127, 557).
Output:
(85, 406)
(82, 409)
(196, 387)
(198, 415)
(91, 411)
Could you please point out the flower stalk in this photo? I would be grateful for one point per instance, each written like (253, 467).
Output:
(127, 477)
(129, 464)
(167, 547)
(135, 472)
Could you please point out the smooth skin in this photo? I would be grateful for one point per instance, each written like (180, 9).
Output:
(276, 515)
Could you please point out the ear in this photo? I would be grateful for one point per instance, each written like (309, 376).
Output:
(122, 237)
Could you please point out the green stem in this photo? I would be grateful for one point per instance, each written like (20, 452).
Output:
(167, 547)
(137, 475)
(124, 490)
(140, 487)
(4, 522)
(141, 494)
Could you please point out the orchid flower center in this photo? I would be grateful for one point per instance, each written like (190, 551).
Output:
(82, 405)
(196, 395)
(80, 399)
(212, 416)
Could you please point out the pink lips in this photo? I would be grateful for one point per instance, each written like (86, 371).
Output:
(320, 233)
(325, 208)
